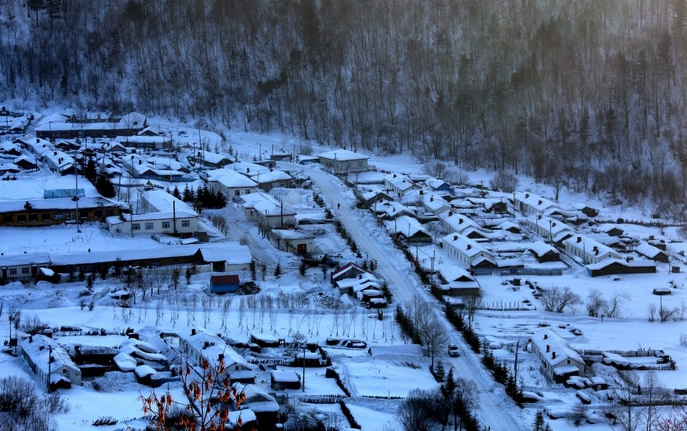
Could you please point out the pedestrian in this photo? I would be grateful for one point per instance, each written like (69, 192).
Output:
(338, 206)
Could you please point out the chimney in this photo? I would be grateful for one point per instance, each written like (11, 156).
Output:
(579, 239)
(539, 202)
(546, 336)
(548, 348)
(527, 195)
(193, 331)
(455, 238)
(539, 217)
(469, 246)
(431, 199)
(553, 355)
(220, 357)
(450, 213)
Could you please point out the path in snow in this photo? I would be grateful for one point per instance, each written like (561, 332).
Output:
(496, 410)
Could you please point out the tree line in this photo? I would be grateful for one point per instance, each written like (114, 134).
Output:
(588, 95)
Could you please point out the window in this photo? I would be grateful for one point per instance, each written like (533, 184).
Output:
(98, 213)
(13, 271)
(136, 226)
(21, 218)
(33, 217)
(149, 225)
(25, 270)
(185, 223)
(166, 225)
(69, 216)
(59, 216)
(8, 219)
(45, 216)
(237, 192)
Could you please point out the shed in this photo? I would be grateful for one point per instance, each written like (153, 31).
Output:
(224, 283)
(280, 380)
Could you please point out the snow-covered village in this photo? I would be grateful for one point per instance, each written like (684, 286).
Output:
(329, 289)
(335, 215)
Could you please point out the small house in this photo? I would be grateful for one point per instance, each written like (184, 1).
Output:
(293, 240)
(343, 161)
(50, 362)
(280, 380)
(653, 253)
(529, 203)
(557, 360)
(467, 251)
(224, 283)
(349, 270)
(544, 252)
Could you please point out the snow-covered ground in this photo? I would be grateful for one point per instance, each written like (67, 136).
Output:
(316, 311)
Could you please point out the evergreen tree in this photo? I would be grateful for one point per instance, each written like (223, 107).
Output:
(176, 192)
(188, 195)
(90, 172)
(104, 186)
(277, 270)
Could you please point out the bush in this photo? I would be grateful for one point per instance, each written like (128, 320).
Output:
(22, 409)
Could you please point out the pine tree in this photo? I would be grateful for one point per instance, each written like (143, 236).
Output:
(90, 171)
(104, 186)
(277, 270)
(188, 195)
(176, 192)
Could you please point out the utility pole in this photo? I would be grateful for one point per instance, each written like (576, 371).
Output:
(303, 388)
(49, 365)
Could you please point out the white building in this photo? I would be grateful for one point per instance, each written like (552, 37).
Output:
(343, 161)
(231, 183)
(49, 360)
(467, 251)
(557, 360)
(529, 203)
(199, 345)
(588, 250)
(548, 228)
(163, 214)
(266, 211)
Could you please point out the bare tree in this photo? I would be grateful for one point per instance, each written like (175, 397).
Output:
(557, 299)
(652, 392)
(628, 417)
(595, 303)
(430, 331)
(614, 304)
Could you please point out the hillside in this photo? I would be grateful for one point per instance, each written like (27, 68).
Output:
(589, 95)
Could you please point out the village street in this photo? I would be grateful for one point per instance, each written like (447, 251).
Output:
(496, 410)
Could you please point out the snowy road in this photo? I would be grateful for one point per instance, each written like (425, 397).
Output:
(495, 409)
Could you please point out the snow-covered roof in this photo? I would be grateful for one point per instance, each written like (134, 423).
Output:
(270, 176)
(407, 226)
(392, 209)
(400, 182)
(538, 203)
(557, 346)
(247, 168)
(161, 201)
(211, 346)
(230, 178)
(465, 245)
(434, 202)
(590, 247)
(344, 155)
(453, 273)
(265, 204)
(210, 157)
(285, 376)
(540, 248)
(37, 348)
(292, 234)
(256, 399)
(435, 183)
(648, 250)
(55, 204)
(230, 252)
(636, 263)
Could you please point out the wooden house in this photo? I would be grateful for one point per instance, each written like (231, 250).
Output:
(653, 253)
(50, 362)
(280, 380)
(46, 212)
(343, 161)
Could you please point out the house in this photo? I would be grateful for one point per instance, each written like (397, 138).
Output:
(529, 203)
(231, 183)
(46, 212)
(265, 340)
(281, 380)
(437, 185)
(26, 162)
(435, 203)
(50, 362)
(163, 214)
(408, 229)
(22, 266)
(212, 160)
(369, 198)
(588, 250)
(557, 360)
(399, 184)
(391, 210)
(128, 125)
(343, 161)
(60, 162)
(456, 281)
(150, 143)
(273, 178)
(653, 253)
(267, 211)
(224, 283)
(611, 230)
(226, 256)
(353, 285)
(261, 403)
(9, 149)
(464, 225)
(349, 270)
(544, 252)
(548, 228)
(199, 346)
(293, 240)
(612, 266)
(467, 251)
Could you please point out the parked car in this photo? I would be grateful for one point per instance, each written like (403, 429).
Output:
(453, 350)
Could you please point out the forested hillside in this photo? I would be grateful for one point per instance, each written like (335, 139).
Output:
(584, 93)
